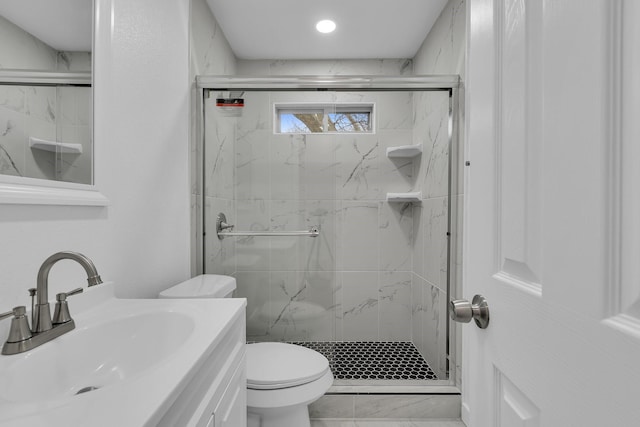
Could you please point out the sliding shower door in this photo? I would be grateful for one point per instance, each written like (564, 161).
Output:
(370, 170)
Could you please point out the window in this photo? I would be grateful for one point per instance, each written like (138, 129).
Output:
(324, 118)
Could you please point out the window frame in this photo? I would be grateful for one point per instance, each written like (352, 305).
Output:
(325, 108)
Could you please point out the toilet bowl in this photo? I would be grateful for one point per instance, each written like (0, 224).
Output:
(282, 379)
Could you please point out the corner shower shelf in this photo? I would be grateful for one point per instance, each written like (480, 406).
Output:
(404, 151)
(413, 197)
(55, 147)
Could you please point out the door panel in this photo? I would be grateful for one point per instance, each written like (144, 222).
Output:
(552, 213)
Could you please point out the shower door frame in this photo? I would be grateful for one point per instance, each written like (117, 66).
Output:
(343, 83)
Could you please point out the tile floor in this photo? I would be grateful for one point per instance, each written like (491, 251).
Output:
(372, 360)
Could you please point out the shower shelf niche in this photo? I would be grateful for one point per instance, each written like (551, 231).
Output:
(413, 197)
(404, 151)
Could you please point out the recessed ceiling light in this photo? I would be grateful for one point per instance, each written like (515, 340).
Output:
(326, 26)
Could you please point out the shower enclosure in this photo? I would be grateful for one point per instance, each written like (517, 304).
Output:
(333, 201)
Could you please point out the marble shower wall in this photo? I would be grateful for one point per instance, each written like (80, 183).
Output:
(59, 114)
(353, 282)
(210, 55)
(442, 52)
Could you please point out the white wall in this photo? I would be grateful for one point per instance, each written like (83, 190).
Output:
(140, 241)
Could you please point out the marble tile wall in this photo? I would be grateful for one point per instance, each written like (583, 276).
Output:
(356, 280)
(60, 114)
(442, 52)
(210, 54)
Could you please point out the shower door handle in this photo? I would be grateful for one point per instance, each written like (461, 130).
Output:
(463, 311)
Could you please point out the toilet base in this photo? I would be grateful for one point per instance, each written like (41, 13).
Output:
(297, 416)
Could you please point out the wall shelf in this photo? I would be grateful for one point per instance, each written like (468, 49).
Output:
(404, 151)
(413, 197)
(55, 147)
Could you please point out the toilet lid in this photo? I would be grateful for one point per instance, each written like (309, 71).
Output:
(273, 365)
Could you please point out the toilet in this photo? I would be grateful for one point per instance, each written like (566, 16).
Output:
(282, 379)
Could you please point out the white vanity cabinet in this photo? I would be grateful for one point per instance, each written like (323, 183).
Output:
(215, 395)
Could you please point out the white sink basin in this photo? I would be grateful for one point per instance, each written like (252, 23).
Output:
(129, 359)
(94, 356)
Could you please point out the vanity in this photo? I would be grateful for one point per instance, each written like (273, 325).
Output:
(132, 362)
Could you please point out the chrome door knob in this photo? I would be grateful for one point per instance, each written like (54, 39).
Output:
(463, 311)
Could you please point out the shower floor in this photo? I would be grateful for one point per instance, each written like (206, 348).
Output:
(372, 360)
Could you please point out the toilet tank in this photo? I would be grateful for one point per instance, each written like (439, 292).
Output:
(203, 286)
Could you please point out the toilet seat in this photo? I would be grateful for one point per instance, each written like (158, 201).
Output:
(274, 365)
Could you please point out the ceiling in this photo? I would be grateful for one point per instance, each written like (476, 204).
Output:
(62, 24)
(285, 29)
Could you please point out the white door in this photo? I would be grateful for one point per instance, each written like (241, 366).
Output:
(552, 213)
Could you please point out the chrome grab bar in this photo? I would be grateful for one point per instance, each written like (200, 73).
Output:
(222, 226)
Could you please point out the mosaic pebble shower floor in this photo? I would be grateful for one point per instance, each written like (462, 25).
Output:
(372, 360)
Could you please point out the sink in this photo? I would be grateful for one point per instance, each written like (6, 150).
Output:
(94, 356)
(123, 364)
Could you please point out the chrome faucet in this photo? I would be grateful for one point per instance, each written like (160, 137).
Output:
(43, 328)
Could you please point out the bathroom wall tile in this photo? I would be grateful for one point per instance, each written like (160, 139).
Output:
(285, 251)
(396, 174)
(257, 113)
(252, 179)
(435, 240)
(252, 253)
(443, 50)
(396, 236)
(360, 306)
(431, 131)
(395, 306)
(418, 260)
(303, 97)
(197, 239)
(417, 312)
(332, 406)
(41, 103)
(67, 106)
(13, 136)
(13, 98)
(219, 152)
(287, 165)
(75, 167)
(358, 241)
(394, 111)
(338, 312)
(326, 67)
(301, 306)
(220, 255)
(392, 406)
(434, 302)
(319, 253)
(73, 61)
(254, 286)
(319, 168)
(358, 167)
(210, 51)
(85, 105)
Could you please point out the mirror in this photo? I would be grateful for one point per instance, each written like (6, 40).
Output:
(45, 90)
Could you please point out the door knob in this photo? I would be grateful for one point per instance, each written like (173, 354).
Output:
(463, 311)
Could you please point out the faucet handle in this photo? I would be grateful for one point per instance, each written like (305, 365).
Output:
(19, 330)
(61, 313)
